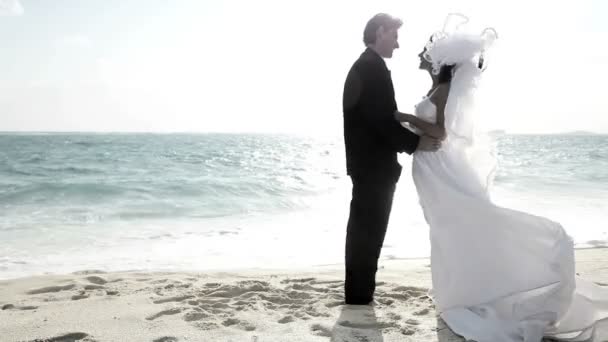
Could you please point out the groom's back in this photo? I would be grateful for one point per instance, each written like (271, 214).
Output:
(368, 106)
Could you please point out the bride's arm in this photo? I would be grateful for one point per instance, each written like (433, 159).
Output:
(436, 130)
(430, 129)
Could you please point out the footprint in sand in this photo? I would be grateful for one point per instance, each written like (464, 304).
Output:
(333, 304)
(80, 296)
(195, 316)
(13, 307)
(177, 285)
(230, 321)
(164, 313)
(96, 280)
(286, 319)
(242, 287)
(401, 293)
(173, 299)
(422, 312)
(94, 287)
(212, 301)
(299, 295)
(206, 325)
(220, 306)
(239, 324)
(302, 280)
(306, 287)
(393, 316)
(268, 306)
(301, 315)
(328, 282)
(385, 301)
(388, 325)
(320, 330)
(412, 322)
(247, 327)
(411, 290)
(71, 337)
(312, 312)
(408, 331)
(396, 295)
(166, 339)
(50, 289)
(208, 285)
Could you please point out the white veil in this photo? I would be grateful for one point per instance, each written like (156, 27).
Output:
(466, 51)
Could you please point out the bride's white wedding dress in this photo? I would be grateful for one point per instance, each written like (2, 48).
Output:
(499, 275)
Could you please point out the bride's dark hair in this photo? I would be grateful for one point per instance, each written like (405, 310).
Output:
(481, 63)
(445, 73)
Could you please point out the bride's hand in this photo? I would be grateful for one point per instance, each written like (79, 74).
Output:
(428, 144)
(402, 117)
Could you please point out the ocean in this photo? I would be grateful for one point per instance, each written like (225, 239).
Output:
(194, 202)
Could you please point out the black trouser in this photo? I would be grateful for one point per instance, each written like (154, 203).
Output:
(370, 208)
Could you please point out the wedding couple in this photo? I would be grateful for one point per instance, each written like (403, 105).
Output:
(498, 275)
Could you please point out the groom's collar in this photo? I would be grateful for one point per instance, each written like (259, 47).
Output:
(369, 50)
(376, 56)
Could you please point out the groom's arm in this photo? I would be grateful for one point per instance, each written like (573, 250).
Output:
(383, 124)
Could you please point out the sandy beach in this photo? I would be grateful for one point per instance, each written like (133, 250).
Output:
(237, 305)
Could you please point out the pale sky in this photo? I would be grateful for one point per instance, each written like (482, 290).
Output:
(279, 66)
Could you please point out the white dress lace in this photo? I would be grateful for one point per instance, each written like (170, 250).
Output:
(499, 275)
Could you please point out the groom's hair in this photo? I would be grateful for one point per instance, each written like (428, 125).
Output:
(379, 20)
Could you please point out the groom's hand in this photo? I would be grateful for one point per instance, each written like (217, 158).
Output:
(427, 143)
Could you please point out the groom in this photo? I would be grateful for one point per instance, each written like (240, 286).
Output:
(372, 138)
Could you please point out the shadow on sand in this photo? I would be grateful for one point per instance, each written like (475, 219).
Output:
(357, 323)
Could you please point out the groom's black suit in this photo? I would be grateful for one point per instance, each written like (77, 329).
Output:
(372, 139)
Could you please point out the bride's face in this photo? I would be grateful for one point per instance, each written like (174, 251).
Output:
(424, 64)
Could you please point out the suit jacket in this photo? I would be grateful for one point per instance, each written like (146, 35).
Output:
(372, 136)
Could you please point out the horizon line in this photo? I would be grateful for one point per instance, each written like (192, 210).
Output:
(147, 132)
(494, 131)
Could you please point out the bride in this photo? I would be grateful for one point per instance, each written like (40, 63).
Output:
(499, 275)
